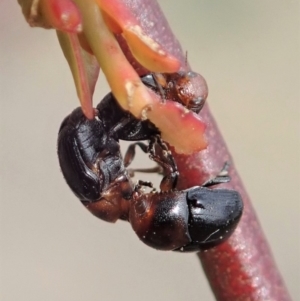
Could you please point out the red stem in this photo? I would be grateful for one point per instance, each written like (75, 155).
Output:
(242, 268)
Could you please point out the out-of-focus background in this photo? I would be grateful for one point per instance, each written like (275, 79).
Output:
(53, 249)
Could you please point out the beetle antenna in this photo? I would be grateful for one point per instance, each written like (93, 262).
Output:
(221, 177)
(186, 59)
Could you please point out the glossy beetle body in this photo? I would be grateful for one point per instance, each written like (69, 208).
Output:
(189, 220)
(92, 165)
(110, 112)
(179, 87)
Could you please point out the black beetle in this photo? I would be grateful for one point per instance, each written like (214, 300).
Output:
(193, 219)
(91, 162)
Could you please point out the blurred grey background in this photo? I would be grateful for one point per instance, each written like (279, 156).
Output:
(53, 249)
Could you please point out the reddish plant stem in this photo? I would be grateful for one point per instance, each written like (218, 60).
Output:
(243, 267)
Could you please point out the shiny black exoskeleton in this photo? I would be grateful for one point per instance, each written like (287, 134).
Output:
(111, 113)
(189, 220)
(91, 162)
(193, 219)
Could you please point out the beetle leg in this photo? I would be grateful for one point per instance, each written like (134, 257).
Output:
(156, 140)
(145, 183)
(166, 161)
(141, 183)
(120, 125)
(156, 169)
(130, 153)
(221, 177)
